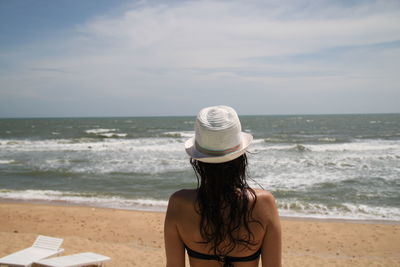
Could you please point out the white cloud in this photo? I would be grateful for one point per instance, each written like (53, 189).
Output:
(162, 53)
(219, 34)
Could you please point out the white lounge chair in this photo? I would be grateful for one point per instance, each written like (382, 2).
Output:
(42, 248)
(75, 260)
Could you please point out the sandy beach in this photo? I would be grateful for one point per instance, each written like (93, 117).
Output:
(135, 238)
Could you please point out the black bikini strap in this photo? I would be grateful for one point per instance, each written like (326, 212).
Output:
(227, 260)
(247, 258)
(201, 256)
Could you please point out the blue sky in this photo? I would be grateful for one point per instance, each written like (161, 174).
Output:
(149, 58)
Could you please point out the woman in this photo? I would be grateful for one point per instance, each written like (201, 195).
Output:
(223, 222)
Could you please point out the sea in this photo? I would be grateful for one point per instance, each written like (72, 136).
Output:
(316, 166)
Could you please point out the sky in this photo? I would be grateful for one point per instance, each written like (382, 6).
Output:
(72, 58)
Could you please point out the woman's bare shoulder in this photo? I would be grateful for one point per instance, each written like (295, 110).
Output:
(182, 197)
(264, 196)
(180, 202)
(266, 203)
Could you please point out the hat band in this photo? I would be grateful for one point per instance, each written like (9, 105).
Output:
(214, 152)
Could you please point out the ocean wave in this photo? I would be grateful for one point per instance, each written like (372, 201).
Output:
(151, 143)
(85, 198)
(355, 146)
(181, 134)
(110, 135)
(105, 133)
(303, 162)
(358, 146)
(295, 208)
(288, 139)
(302, 171)
(296, 148)
(7, 161)
(63, 158)
(85, 143)
(329, 139)
(100, 131)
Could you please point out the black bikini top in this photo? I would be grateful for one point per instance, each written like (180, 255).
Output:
(227, 260)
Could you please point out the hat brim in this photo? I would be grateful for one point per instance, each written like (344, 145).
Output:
(195, 154)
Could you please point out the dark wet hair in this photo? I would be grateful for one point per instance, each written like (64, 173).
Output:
(223, 204)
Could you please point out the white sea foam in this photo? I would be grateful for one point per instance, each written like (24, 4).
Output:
(290, 167)
(257, 141)
(293, 208)
(357, 145)
(6, 161)
(84, 144)
(370, 145)
(142, 155)
(181, 134)
(327, 139)
(314, 163)
(100, 131)
(146, 143)
(85, 199)
(275, 167)
(107, 133)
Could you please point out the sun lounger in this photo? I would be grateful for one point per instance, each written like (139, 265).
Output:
(42, 248)
(75, 260)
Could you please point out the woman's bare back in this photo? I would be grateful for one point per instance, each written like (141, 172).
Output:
(182, 214)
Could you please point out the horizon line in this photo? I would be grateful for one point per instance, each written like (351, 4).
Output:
(194, 115)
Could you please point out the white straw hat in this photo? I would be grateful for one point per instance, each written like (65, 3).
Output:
(218, 136)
